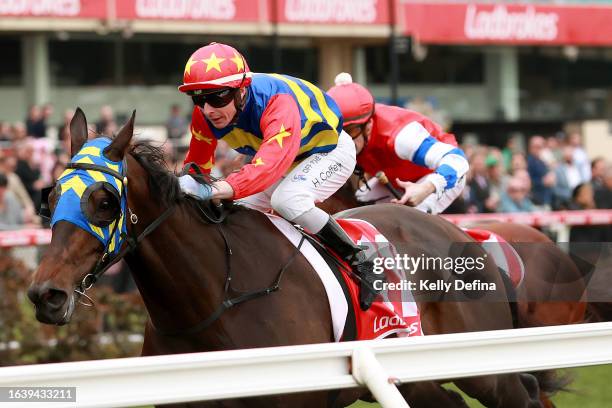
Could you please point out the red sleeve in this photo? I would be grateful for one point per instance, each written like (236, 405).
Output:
(203, 143)
(282, 134)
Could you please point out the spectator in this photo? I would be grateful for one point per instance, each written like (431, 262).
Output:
(584, 199)
(19, 132)
(541, 177)
(515, 199)
(63, 133)
(508, 152)
(519, 162)
(479, 186)
(35, 123)
(106, 125)
(603, 194)
(177, 123)
(581, 159)
(28, 172)
(7, 168)
(10, 210)
(523, 175)
(5, 132)
(554, 147)
(497, 178)
(567, 178)
(598, 170)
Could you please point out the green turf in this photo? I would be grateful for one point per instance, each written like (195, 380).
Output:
(591, 389)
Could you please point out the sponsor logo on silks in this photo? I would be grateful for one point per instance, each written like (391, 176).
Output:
(299, 177)
(385, 322)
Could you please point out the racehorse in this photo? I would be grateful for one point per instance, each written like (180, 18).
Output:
(553, 292)
(187, 267)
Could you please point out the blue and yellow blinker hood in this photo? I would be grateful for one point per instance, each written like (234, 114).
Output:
(88, 171)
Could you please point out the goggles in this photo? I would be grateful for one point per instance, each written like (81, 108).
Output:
(217, 99)
(355, 131)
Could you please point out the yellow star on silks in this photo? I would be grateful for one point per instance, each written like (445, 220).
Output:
(213, 62)
(238, 61)
(282, 133)
(258, 162)
(200, 136)
(208, 165)
(190, 62)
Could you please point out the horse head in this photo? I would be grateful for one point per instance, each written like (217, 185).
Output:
(87, 206)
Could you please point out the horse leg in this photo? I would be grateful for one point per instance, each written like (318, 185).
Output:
(430, 394)
(503, 391)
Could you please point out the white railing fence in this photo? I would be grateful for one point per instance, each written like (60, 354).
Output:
(375, 364)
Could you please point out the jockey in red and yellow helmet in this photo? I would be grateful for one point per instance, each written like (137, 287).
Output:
(415, 154)
(292, 130)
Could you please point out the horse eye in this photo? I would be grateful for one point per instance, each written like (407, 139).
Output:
(105, 205)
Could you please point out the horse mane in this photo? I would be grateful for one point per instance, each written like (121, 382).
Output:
(163, 183)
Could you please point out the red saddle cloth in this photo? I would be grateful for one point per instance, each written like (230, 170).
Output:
(394, 312)
(505, 256)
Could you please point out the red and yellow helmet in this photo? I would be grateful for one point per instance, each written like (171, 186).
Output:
(355, 102)
(215, 66)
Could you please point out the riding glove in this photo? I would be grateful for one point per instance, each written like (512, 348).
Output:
(191, 187)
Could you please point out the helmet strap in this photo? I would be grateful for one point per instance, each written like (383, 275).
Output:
(239, 103)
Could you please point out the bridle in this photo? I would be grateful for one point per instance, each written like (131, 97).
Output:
(107, 259)
(231, 297)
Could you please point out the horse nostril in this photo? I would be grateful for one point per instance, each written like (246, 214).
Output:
(54, 298)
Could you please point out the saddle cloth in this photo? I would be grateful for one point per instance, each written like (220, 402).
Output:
(505, 256)
(395, 314)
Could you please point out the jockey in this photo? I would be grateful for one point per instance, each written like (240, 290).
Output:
(292, 129)
(418, 157)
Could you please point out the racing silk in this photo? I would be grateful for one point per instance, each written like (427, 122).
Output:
(284, 120)
(407, 145)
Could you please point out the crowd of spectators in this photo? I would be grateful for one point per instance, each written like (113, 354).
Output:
(540, 173)
(551, 173)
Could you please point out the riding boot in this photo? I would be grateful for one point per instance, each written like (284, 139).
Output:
(336, 238)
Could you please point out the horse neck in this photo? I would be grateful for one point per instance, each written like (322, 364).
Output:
(178, 285)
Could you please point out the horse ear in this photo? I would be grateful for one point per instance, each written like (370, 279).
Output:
(116, 150)
(78, 132)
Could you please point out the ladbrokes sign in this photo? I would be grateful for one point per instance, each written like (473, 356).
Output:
(486, 23)
(501, 24)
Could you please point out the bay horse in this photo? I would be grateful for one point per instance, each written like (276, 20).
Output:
(182, 263)
(553, 292)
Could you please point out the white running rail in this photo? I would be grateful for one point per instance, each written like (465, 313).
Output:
(238, 373)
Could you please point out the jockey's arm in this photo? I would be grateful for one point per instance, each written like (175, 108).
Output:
(281, 131)
(202, 145)
(448, 162)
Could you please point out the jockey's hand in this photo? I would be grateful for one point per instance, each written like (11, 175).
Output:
(222, 190)
(191, 187)
(414, 193)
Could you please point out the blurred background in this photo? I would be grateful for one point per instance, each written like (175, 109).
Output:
(526, 87)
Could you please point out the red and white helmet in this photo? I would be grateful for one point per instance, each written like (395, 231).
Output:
(215, 66)
(355, 102)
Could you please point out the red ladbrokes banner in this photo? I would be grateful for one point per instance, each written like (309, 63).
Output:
(333, 11)
(207, 10)
(53, 8)
(465, 23)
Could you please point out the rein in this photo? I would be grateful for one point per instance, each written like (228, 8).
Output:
(231, 297)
